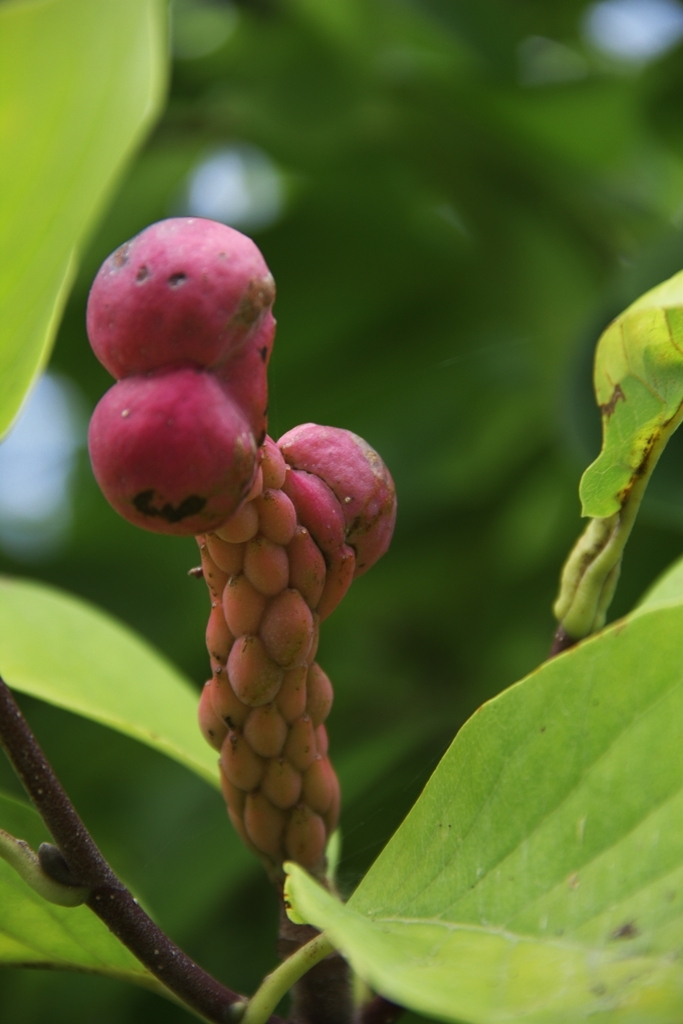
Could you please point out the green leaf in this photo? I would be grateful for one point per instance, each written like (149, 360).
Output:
(539, 877)
(34, 933)
(639, 389)
(666, 589)
(64, 651)
(81, 83)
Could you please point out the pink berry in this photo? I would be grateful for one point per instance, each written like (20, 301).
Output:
(183, 289)
(170, 453)
(357, 476)
(317, 509)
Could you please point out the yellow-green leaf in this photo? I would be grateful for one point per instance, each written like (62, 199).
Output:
(62, 650)
(80, 83)
(539, 877)
(639, 389)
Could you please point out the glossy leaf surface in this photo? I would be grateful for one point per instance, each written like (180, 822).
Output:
(88, 79)
(64, 651)
(539, 876)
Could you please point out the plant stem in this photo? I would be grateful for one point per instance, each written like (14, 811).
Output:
(109, 898)
(275, 985)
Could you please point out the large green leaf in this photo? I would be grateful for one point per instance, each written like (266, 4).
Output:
(540, 875)
(639, 389)
(34, 933)
(62, 650)
(666, 589)
(80, 83)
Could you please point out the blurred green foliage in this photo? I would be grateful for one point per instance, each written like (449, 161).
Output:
(466, 205)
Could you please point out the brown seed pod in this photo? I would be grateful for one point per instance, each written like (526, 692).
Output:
(318, 788)
(291, 698)
(281, 783)
(228, 557)
(235, 798)
(226, 702)
(307, 568)
(219, 639)
(265, 825)
(319, 694)
(212, 726)
(322, 743)
(273, 465)
(287, 629)
(239, 762)
(332, 816)
(340, 569)
(254, 677)
(266, 566)
(243, 606)
(265, 730)
(214, 578)
(277, 516)
(305, 838)
(300, 745)
(240, 527)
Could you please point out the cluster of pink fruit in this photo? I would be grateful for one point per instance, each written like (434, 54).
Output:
(182, 315)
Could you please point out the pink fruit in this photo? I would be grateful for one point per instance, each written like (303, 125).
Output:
(244, 377)
(266, 566)
(357, 476)
(306, 566)
(317, 509)
(170, 454)
(183, 289)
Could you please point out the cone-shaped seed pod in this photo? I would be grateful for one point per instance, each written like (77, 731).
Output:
(239, 762)
(254, 677)
(243, 606)
(277, 516)
(291, 698)
(228, 557)
(265, 730)
(214, 730)
(287, 629)
(241, 526)
(319, 694)
(266, 566)
(281, 783)
(305, 837)
(307, 568)
(300, 746)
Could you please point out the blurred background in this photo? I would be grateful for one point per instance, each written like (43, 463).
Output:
(454, 198)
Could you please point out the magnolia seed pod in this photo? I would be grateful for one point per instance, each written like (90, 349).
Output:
(317, 509)
(281, 783)
(212, 727)
(273, 465)
(241, 765)
(313, 649)
(318, 788)
(307, 568)
(277, 516)
(184, 289)
(219, 639)
(243, 606)
(242, 526)
(305, 838)
(235, 798)
(291, 698)
(237, 822)
(257, 486)
(228, 557)
(265, 825)
(322, 744)
(340, 572)
(300, 746)
(332, 816)
(287, 629)
(214, 577)
(226, 702)
(357, 476)
(265, 730)
(254, 677)
(319, 694)
(266, 566)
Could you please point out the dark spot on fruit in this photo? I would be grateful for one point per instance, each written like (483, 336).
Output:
(264, 353)
(627, 931)
(190, 506)
(142, 274)
(175, 280)
(258, 296)
(120, 257)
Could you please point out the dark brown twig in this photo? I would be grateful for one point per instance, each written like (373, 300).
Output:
(109, 899)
